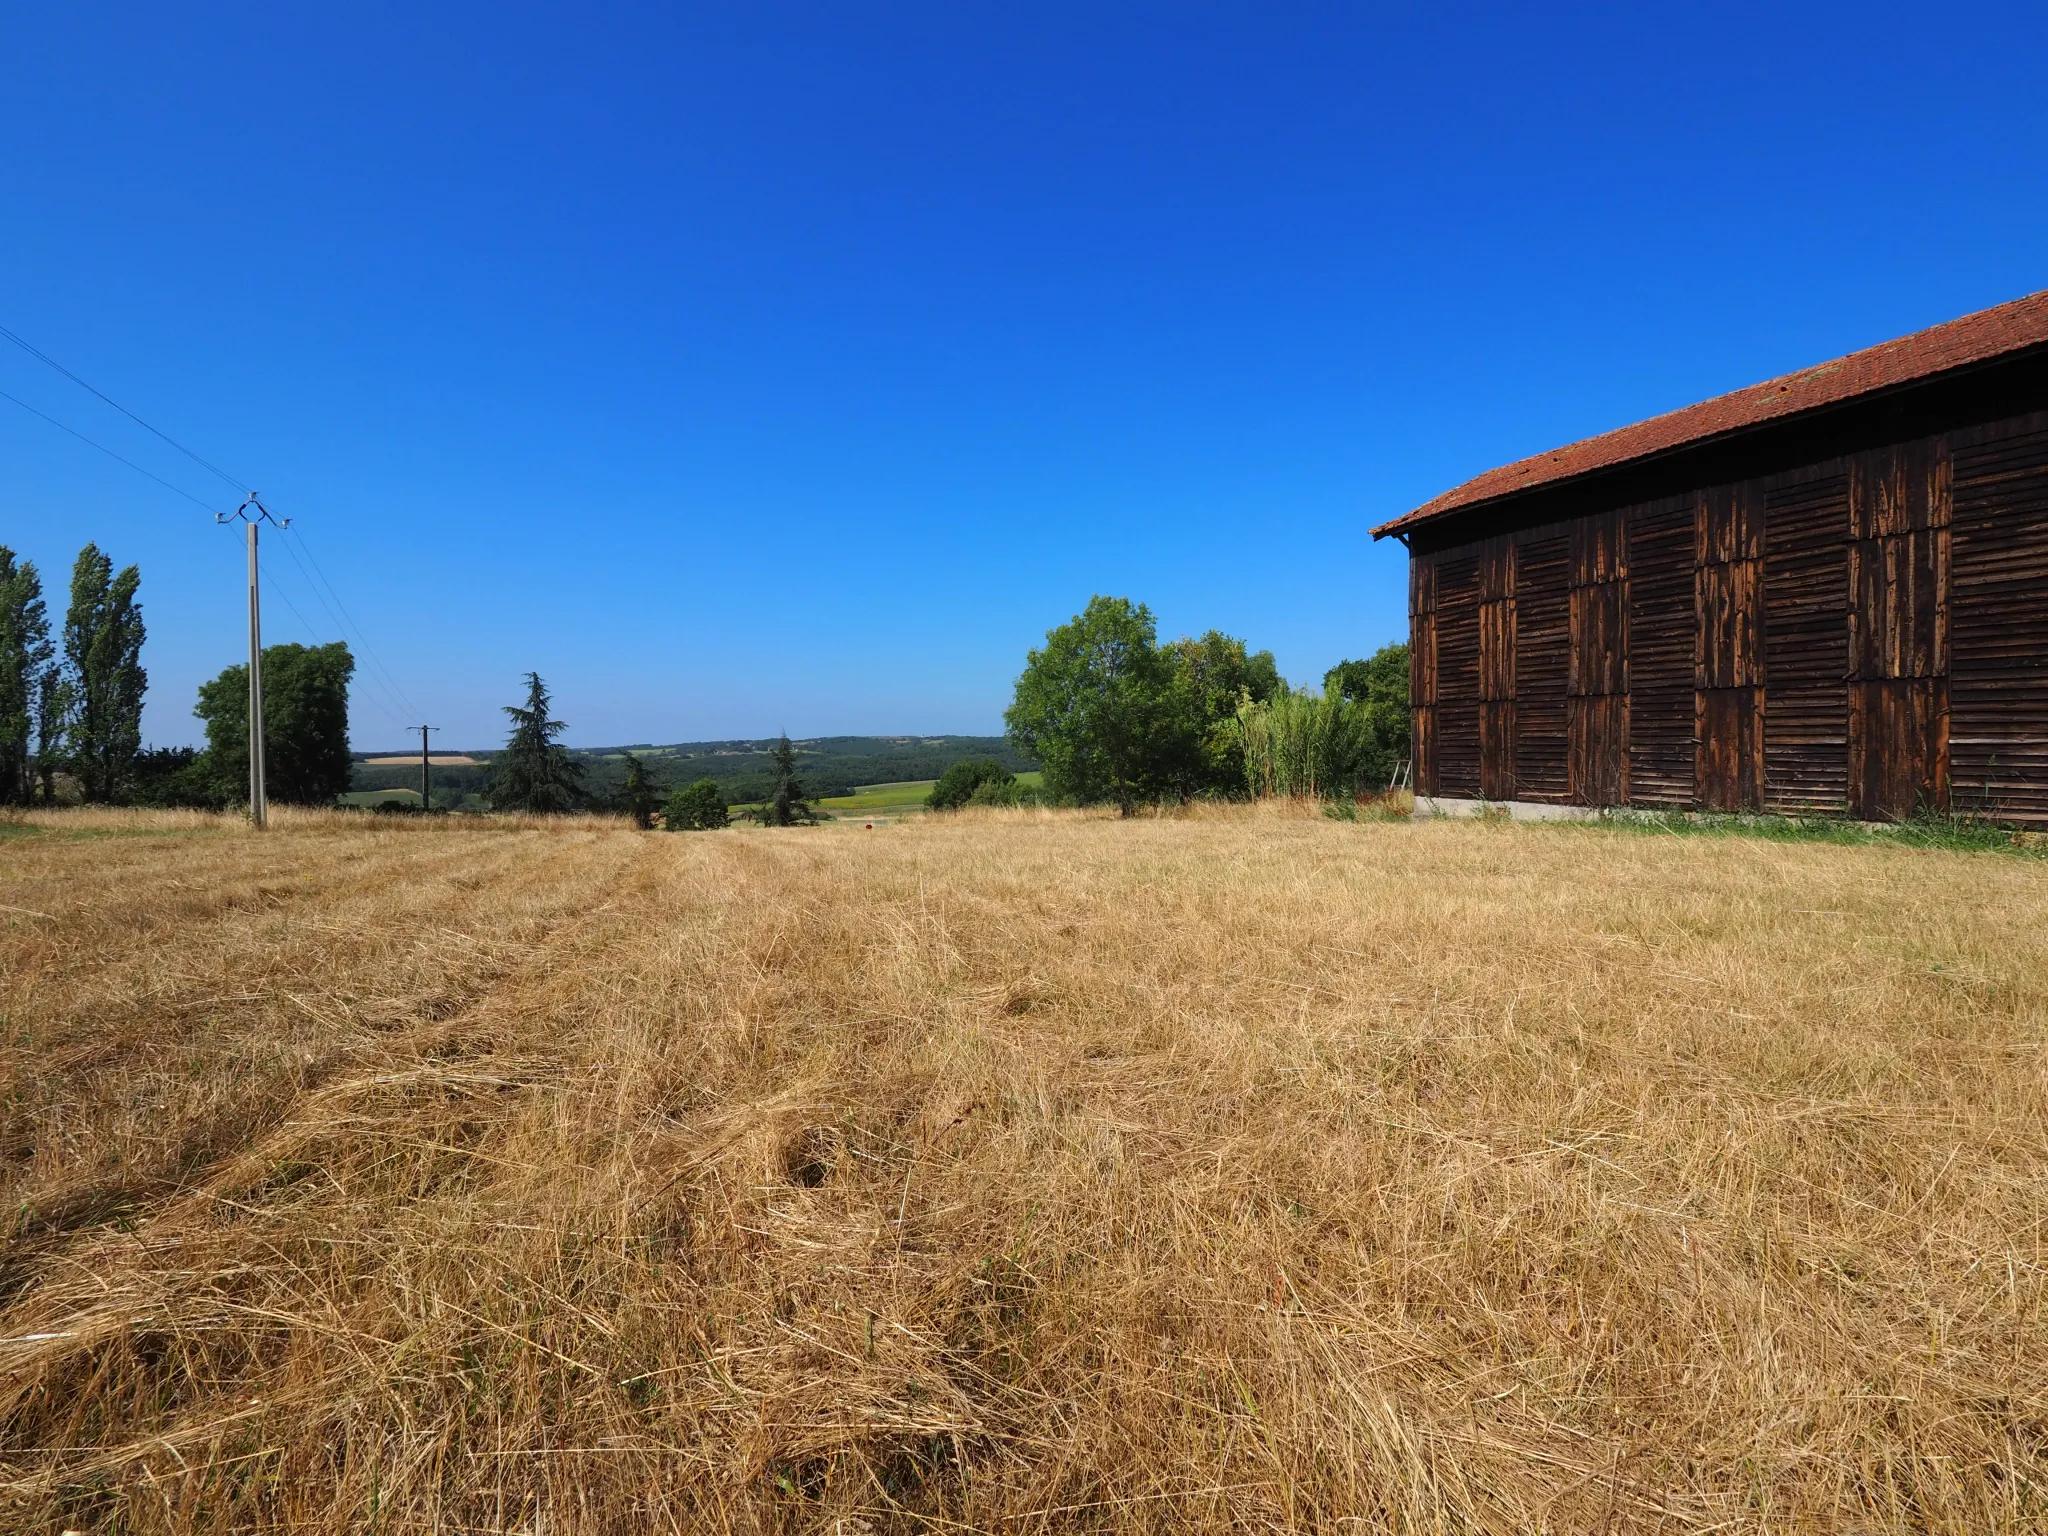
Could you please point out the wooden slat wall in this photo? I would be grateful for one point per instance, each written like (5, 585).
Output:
(1542, 663)
(1729, 667)
(1899, 560)
(1998, 664)
(1868, 634)
(1457, 672)
(1597, 681)
(1422, 671)
(1497, 669)
(1661, 621)
(1806, 643)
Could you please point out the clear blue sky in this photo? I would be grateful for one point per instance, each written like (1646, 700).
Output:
(743, 367)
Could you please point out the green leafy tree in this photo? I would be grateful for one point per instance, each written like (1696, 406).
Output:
(25, 661)
(305, 724)
(1380, 685)
(1003, 791)
(638, 793)
(1096, 708)
(786, 806)
(535, 773)
(180, 777)
(962, 782)
(53, 719)
(697, 807)
(1213, 677)
(103, 636)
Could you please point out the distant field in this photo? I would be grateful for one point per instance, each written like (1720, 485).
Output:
(901, 798)
(437, 760)
(904, 798)
(1033, 1172)
(379, 796)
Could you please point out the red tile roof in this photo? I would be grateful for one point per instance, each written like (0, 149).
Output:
(1975, 338)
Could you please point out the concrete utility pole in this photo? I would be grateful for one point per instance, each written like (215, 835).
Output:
(259, 803)
(426, 780)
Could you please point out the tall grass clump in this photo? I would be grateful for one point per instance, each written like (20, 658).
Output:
(1306, 745)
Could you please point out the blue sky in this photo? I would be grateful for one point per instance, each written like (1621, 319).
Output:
(776, 366)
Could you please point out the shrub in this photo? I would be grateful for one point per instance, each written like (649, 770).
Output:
(697, 807)
(1305, 745)
(964, 783)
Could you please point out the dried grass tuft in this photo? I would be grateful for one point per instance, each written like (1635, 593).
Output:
(1017, 1171)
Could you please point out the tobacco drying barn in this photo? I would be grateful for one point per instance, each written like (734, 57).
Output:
(1828, 592)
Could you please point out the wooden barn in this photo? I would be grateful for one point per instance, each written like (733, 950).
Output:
(1828, 592)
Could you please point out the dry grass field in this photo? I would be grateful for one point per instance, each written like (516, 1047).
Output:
(1025, 1172)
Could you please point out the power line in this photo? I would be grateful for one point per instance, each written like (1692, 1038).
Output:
(44, 357)
(103, 448)
(384, 705)
(394, 694)
(349, 620)
(400, 713)
(343, 619)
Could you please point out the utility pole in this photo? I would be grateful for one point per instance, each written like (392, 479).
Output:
(426, 779)
(259, 804)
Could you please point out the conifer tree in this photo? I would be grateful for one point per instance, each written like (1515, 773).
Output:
(786, 807)
(103, 663)
(535, 772)
(639, 794)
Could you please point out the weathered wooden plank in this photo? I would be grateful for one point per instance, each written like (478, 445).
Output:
(1542, 663)
(1497, 749)
(1660, 622)
(1898, 729)
(1422, 672)
(1729, 748)
(1806, 644)
(1728, 656)
(1898, 629)
(1599, 749)
(1457, 657)
(1998, 620)
(1599, 548)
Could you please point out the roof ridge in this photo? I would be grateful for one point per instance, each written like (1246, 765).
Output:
(1969, 339)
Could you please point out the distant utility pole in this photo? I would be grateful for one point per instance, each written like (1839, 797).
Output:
(259, 805)
(426, 780)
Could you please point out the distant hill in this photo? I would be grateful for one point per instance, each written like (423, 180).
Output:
(829, 765)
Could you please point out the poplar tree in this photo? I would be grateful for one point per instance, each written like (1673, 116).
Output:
(53, 717)
(103, 661)
(25, 656)
(535, 772)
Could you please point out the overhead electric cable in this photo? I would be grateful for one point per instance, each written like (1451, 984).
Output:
(103, 448)
(271, 586)
(344, 619)
(394, 695)
(44, 357)
(399, 713)
(349, 621)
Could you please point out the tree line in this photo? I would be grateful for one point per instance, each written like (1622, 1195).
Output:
(1115, 717)
(1112, 715)
(70, 702)
(536, 774)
